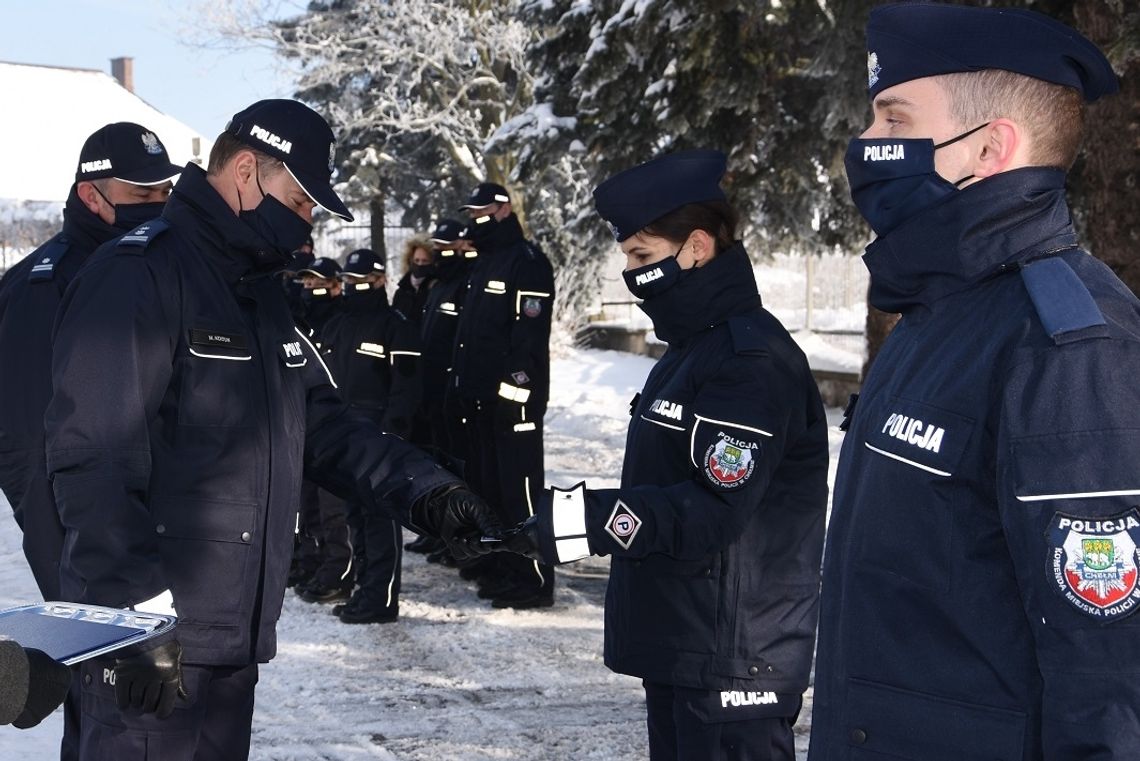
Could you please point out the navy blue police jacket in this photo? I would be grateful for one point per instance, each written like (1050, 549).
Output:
(503, 334)
(373, 352)
(186, 404)
(717, 528)
(409, 300)
(980, 586)
(438, 326)
(30, 294)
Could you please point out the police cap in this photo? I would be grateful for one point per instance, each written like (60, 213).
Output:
(125, 151)
(909, 41)
(447, 231)
(486, 194)
(300, 138)
(632, 199)
(322, 266)
(363, 261)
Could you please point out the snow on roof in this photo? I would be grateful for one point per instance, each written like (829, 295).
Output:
(51, 112)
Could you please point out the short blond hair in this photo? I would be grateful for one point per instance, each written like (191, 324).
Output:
(1052, 115)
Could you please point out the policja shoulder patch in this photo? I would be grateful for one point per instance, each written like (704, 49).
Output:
(1092, 562)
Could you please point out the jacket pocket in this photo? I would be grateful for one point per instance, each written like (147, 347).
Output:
(892, 723)
(214, 383)
(206, 554)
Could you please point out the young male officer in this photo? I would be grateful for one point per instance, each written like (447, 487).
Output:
(980, 576)
(501, 377)
(122, 180)
(185, 405)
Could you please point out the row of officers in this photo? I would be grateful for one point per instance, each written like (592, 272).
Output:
(459, 363)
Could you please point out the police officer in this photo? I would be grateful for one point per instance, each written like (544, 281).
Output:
(323, 561)
(980, 583)
(185, 404)
(374, 355)
(501, 379)
(440, 318)
(122, 180)
(717, 527)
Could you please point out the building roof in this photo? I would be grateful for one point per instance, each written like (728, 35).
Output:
(51, 111)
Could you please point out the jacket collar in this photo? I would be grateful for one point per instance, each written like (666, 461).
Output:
(981, 231)
(84, 229)
(705, 297)
(229, 244)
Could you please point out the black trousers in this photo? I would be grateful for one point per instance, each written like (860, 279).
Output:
(505, 466)
(325, 551)
(212, 724)
(377, 543)
(685, 725)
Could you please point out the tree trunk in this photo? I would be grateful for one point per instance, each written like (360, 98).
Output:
(1106, 179)
(376, 225)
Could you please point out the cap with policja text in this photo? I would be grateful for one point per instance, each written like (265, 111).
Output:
(127, 152)
(908, 41)
(300, 138)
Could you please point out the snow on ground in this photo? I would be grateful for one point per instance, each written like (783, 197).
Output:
(453, 680)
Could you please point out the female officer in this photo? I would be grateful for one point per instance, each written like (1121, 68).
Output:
(717, 529)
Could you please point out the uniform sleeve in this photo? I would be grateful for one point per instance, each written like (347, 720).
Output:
(112, 362)
(530, 332)
(1069, 485)
(405, 389)
(743, 420)
(354, 459)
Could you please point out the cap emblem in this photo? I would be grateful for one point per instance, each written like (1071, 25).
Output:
(150, 142)
(267, 137)
(873, 69)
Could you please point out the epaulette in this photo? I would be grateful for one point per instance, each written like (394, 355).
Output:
(1064, 305)
(136, 241)
(49, 256)
(747, 338)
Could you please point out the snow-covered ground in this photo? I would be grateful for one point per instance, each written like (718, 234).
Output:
(453, 680)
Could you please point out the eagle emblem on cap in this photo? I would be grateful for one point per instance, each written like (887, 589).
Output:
(873, 69)
(332, 155)
(151, 144)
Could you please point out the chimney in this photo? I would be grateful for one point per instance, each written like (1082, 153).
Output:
(123, 69)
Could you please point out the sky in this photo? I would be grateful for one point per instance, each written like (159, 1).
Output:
(200, 86)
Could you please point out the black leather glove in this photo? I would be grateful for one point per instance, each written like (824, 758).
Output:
(522, 540)
(459, 517)
(48, 683)
(151, 681)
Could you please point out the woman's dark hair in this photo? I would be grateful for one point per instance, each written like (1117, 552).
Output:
(717, 218)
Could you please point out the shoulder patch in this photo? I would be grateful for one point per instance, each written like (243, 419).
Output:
(1063, 303)
(747, 338)
(47, 258)
(1091, 562)
(137, 240)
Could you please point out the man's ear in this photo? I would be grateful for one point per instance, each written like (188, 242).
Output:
(503, 212)
(1002, 146)
(89, 195)
(244, 168)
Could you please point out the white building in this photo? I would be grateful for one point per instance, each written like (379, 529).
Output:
(51, 112)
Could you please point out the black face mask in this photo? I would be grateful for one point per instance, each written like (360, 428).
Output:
(128, 216)
(481, 231)
(423, 270)
(652, 280)
(893, 179)
(276, 224)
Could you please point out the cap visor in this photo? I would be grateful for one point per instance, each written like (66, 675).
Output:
(152, 175)
(321, 193)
